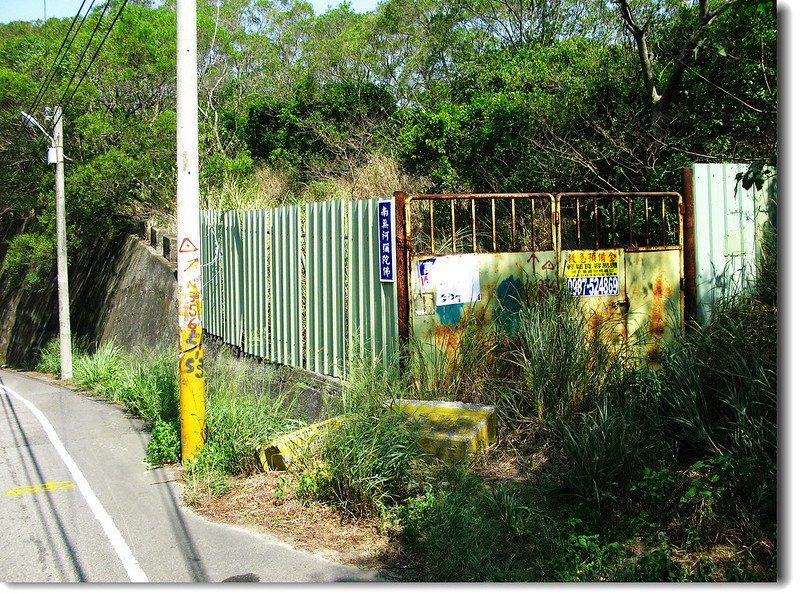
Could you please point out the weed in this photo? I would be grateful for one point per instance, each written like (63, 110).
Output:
(564, 365)
(149, 387)
(603, 449)
(364, 462)
(165, 443)
(100, 371)
(461, 367)
(237, 424)
(462, 529)
(206, 475)
(653, 566)
(49, 359)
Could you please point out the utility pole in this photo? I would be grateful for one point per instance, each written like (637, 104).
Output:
(64, 331)
(190, 330)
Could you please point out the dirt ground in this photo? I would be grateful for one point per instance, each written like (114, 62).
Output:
(266, 502)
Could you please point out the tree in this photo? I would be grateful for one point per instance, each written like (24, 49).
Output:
(662, 91)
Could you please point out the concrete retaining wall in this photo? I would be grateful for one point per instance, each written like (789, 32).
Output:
(121, 289)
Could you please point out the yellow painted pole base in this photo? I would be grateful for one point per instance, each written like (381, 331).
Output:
(192, 393)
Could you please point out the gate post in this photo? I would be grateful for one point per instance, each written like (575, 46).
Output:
(401, 267)
(689, 264)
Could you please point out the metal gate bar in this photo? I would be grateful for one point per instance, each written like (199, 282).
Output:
(472, 198)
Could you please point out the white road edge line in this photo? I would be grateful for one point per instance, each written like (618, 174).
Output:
(129, 562)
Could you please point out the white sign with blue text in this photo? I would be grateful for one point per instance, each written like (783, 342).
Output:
(386, 242)
(455, 279)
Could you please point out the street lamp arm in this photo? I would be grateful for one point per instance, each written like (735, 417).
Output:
(31, 122)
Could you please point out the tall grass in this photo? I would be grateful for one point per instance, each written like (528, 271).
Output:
(242, 413)
(100, 371)
(604, 449)
(149, 387)
(363, 464)
(461, 365)
(719, 383)
(563, 365)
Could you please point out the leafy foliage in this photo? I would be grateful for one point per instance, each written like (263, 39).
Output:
(165, 442)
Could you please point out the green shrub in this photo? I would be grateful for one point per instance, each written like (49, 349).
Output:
(30, 260)
(165, 442)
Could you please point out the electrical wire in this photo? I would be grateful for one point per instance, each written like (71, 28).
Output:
(83, 55)
(50, 75)
(64, 103)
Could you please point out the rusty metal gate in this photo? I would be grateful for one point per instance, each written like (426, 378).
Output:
(469, 256)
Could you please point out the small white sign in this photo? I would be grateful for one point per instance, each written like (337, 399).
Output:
(455, 279)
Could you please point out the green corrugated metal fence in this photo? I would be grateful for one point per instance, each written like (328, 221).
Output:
(286, 287)
(232, 279)
(325, 286)
(211, 271)
(299, 286)
(372, 306)
(255, 262)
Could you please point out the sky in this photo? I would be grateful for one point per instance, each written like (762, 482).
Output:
(31, 10)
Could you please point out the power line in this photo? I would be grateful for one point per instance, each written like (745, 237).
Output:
(64, 104)
(50, 74)
(50, 77)
(83, 55)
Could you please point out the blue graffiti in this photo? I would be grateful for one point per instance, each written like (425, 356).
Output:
(509, 303)
(449, 315)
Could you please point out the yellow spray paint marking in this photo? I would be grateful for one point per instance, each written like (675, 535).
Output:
(49, 486)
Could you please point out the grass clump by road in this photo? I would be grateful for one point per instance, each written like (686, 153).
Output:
(242, 412)
(362, 464)
(239, 414)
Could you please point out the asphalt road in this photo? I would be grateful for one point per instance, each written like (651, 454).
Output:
(78, 504)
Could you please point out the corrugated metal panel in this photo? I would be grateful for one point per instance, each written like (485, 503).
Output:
(372, 305)
(255, 258)
(325, 287)
(725, 233)
(211, 271)
(767, 208)
(286, 337)
(232, 280)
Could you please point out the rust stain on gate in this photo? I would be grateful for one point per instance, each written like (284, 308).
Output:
(467, 257)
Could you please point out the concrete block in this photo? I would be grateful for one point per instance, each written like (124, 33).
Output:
(451, 431)
(279, 454)
(170, 249)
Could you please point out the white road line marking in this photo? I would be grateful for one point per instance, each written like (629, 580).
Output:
(122, 549)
